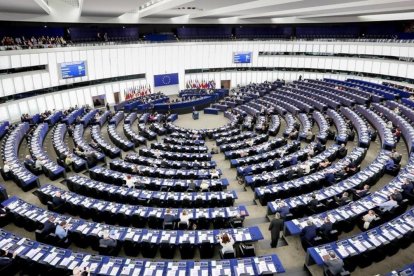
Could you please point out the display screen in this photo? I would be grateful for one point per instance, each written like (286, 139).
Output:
(73, 69)
(242, 57)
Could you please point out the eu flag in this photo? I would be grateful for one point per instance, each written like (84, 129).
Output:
(166, 79)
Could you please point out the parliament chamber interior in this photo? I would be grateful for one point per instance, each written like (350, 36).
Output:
(189, 137)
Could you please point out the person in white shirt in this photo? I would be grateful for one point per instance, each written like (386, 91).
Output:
(226, 242)
(38, 164)
(184, 217)
(6, 167)
(250, 142)
(129, 182)
(215, 174)
(157, 154)
(388, 205)
(305, 167)
(397, 110)
(204, 186)
(368, 218)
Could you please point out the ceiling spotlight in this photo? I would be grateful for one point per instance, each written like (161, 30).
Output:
(45, 26)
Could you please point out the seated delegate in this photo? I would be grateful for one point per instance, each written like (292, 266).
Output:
(226, 243)
(333, 266)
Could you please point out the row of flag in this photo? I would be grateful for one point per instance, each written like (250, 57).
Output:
(137, 91)
(201, 85)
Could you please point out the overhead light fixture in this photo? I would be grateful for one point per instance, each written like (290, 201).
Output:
(149, 3)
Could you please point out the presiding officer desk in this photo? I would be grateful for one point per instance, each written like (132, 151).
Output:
(136, 215)
(54, 261)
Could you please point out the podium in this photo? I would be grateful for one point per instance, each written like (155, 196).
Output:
(195, 115)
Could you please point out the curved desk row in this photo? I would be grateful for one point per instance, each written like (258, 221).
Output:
(118, 178)
(50, 167)
(355, 209)
(62, 149)
(387, 139)
(353, 89)
(163, 172)
(174, 155)
(361, 126)
(88, 117)
(136, 215)
(21, 176)
(148, 161)
(71, 117)
(269, 150)
(53, 118)
(313, 181)
(57, 261)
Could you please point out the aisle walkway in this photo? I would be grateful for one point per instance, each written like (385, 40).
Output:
(288, 254)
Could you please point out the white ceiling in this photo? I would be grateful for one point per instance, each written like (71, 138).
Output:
(206, 11)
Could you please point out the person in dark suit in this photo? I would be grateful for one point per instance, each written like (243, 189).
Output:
(342, 151)
(275, 227)
(330, 178)
(408, 188)
(168, 217)
(191, 186)
(276, 165)
(6, 260)
(283, 209)
(319, 147)
(107, 241)
(313, 202)
(343, 199)
(58, 200)
(49, 226)
(28, 161)
(326, 227)
(397, 195)
(308, 234)
(351, 169)
(362, 192)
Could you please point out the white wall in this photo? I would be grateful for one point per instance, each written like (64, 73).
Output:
(244, 78)
(65, 99)
(152, 59)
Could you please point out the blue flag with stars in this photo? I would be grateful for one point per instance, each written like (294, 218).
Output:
(166, 79)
